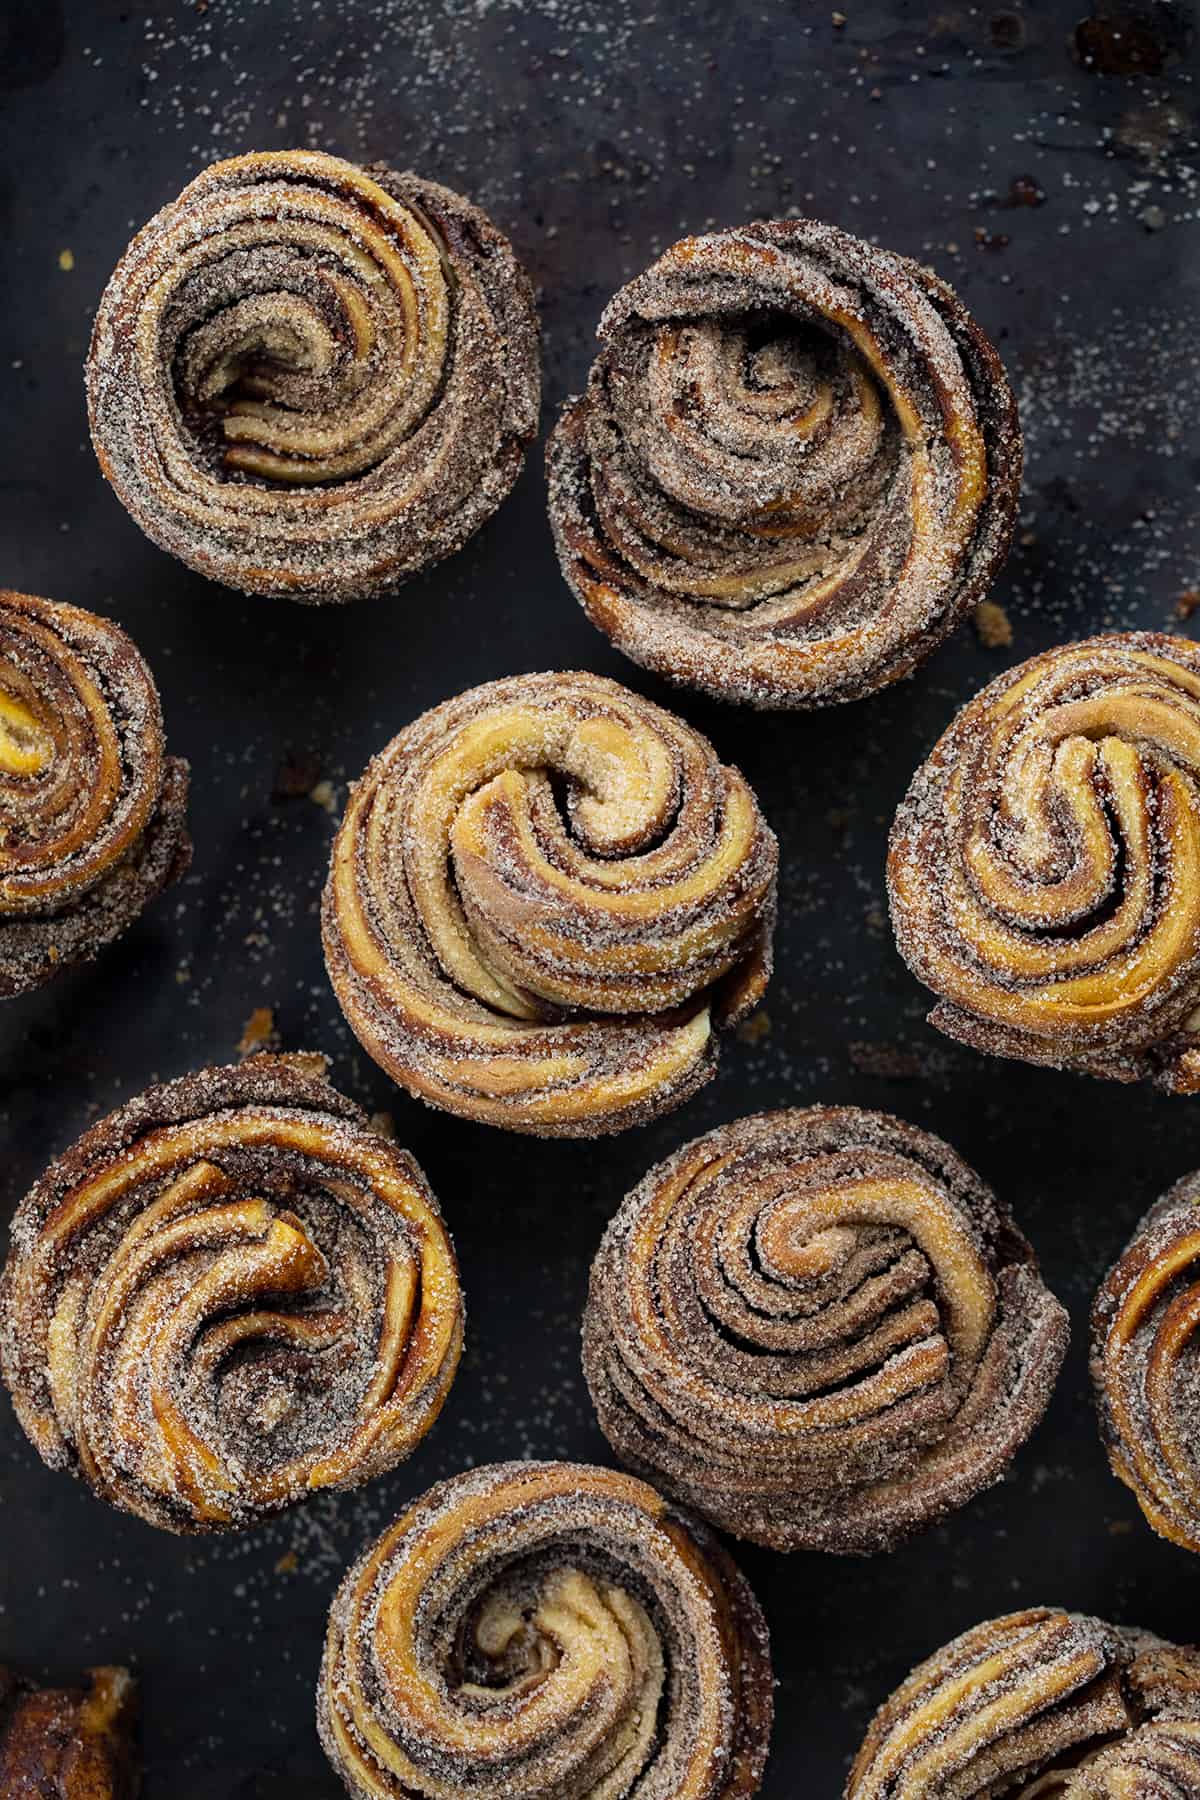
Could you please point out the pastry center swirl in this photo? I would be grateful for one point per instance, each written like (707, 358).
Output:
(313, 379)
(26, 746)
(1040, 1705)
(536, 1629)
(1045, 867)
(819, 1328)
(211, 1316)
(323, 330)
(1146, 1364)
(81, 752)
(795, 465)
(771, 425)
(530, 885)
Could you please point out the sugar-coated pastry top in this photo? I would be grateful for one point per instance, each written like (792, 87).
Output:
(795, 467)
(229, 1294)
(1145, 1344)
(535, 1629)
(820, 1328)
(1044, 869)
(71, 1743)
(1040, 1705)
(92, 809)
(312, 379)
(544, 896)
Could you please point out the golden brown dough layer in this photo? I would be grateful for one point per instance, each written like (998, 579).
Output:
(1044, 869)
(226, 1295)
(1041, 1703)
(795, 468)
(544, 896)
(93, 811)
(819, 1328)
(68, 1743)
(1145, 1345)
(545, 1629)
(312, 379)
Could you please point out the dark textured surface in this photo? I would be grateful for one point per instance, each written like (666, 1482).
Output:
(596, 135)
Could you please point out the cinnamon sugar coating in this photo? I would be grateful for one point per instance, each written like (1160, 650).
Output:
(545, 896)
(1146, 1364)
(820, 1329)
(795, 469)
(1044, 869)
(93, 811)
(68, 1743)
(1040, 1705)
(538, 1629)
(311, 379)
(228, 1294)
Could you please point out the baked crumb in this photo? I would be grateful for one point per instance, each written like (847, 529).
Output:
(993, 627)
(889, 1062)
(754, 1029)
(298, 773)
(259, 1032)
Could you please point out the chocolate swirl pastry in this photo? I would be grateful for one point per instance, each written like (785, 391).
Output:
(92, 810)
(226, 1295)
(68, 1743)
(1145, 1344)
(820, 1329)
(1041, 1703)
(536, 1629)
(544, 896)
(1044, 868)
(795, 468)
(312, 379)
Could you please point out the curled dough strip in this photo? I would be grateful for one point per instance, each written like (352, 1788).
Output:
(228, 1294)
(69, 1743)
(1038, 1704)
(544, 895)
(311, 379)
(1044, 869)
(92, 810)
(1146, 1363)
(820, 1329)
(796, 466)
(545, 1630)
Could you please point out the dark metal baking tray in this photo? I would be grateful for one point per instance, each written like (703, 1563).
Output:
(1059, 195)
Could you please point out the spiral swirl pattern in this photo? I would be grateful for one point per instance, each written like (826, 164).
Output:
(68, 1743)
(92, 810)
(1156, 1762)
(820, 1329)
(538, 1629)
(1146, 1364)
(543, 896)
(312, 379)
(795, 467)
(1041, 1703)
(228, 1294)
(1045, 866)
